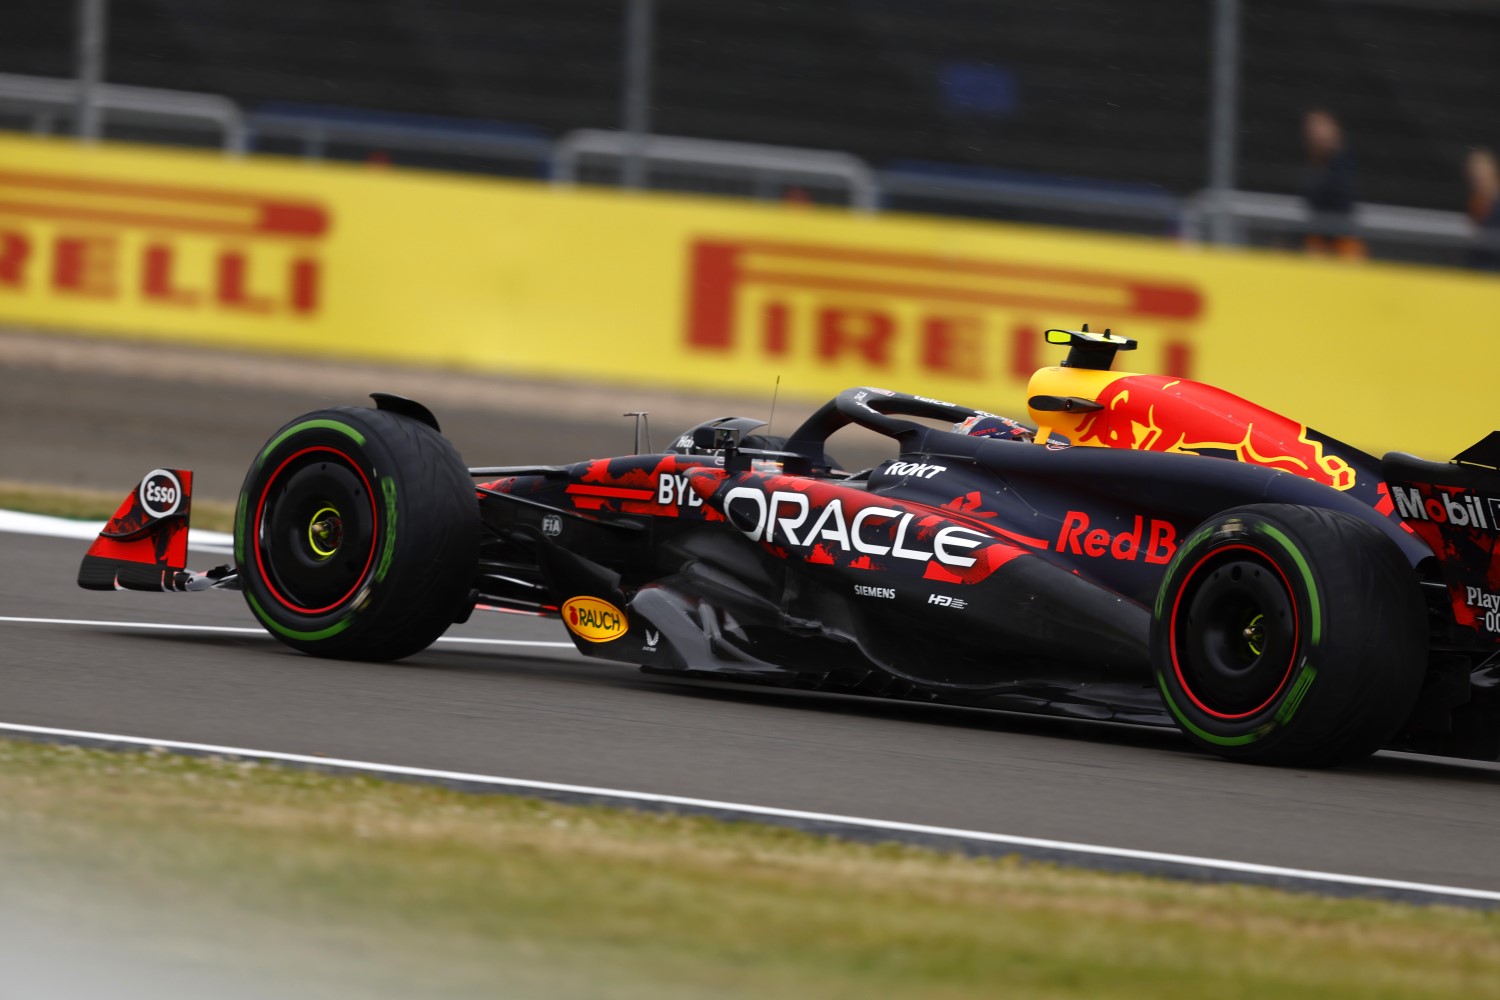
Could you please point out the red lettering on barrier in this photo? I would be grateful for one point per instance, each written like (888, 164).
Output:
(85, 265)
(777, 329)
(241, 234)
(953, 345)
(1178, 360)
(231, 290)
(1023, 351)
(14, 249)
(954, 317)
(156, 278)
(305, 285)
(863, 332)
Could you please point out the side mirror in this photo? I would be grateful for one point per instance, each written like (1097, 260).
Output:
(716, 438)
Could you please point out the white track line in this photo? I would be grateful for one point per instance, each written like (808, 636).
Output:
(162, 626)
(508, 642)
(1061, 846)
(858, 822)
(246, 630)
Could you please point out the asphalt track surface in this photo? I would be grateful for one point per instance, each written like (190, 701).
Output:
(546, 714)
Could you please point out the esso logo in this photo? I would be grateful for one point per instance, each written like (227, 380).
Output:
(161, 493)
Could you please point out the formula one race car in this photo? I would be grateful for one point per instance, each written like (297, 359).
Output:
(1148, 549)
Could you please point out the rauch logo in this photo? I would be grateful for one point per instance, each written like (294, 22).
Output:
(593, 619)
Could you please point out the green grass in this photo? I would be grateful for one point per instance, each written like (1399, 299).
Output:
(464, 893)
(98, 505)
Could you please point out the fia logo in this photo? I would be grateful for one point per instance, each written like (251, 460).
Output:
(652, 638)
(552, 525)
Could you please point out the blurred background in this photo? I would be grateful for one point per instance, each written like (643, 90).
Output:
(827, 192)
(1093, 114)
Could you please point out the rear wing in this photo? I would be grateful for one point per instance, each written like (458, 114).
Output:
(144, 545)
(1455, 508)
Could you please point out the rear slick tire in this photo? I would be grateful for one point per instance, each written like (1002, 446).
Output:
(357, 535)
(1289, 635)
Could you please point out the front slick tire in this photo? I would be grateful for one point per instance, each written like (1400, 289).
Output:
(357, 535)
(1289, 635)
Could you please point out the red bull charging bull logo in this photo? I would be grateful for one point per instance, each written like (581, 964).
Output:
(1161, 413)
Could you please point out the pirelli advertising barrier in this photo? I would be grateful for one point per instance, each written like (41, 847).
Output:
(525, 279)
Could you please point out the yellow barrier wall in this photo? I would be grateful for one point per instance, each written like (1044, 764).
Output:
(526, 279)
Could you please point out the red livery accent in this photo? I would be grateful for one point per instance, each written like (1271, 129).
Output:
(620, 492)
(1164, 413)
(145, 542)
(990, 559)
(1156, 543)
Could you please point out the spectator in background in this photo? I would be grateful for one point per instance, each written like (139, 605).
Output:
(1483, 174)
(1329, 188)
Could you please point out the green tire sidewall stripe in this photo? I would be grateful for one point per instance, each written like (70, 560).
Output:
(1307, 577)
(1299, 688)
(1202, 734)
(242, 529)
(271, 623)
(388, 488)
(1298, 691)
(307, 425)
(241, 510)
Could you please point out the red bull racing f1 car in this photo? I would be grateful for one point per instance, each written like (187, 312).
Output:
(1145, 549)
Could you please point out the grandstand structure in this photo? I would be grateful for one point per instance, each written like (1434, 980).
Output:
(1084, 113)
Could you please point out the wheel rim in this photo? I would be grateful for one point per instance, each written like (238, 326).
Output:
(315, 535)
(325, 532)
(1235, 632)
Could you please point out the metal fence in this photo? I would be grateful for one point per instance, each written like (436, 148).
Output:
(749, 169)
(634, 157)
(46, 105)
(1391, 232)
(323, 134)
